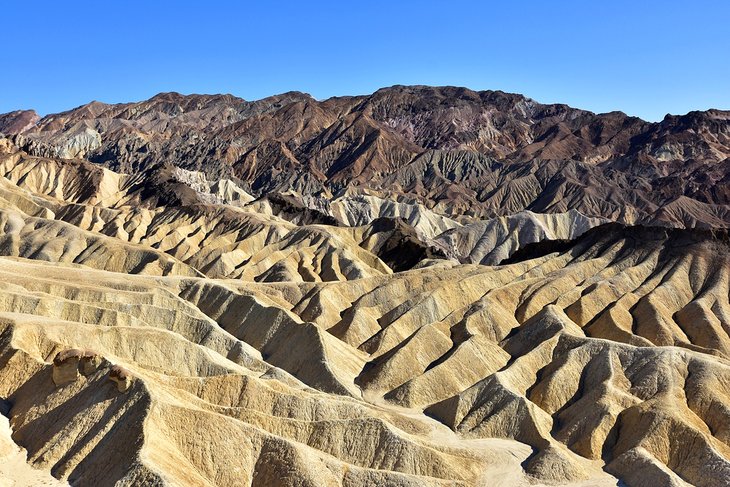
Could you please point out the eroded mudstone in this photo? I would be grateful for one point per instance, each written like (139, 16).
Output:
(89, 363)
(122, 377)
(68, 363)
(66, 366)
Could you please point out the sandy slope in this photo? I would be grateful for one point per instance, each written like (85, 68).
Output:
(14, 469)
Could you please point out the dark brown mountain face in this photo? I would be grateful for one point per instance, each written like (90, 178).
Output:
(454, 150)
(14, 122)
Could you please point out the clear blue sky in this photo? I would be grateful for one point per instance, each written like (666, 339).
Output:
(646, 58)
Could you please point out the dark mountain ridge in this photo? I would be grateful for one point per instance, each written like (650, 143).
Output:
(457, 151)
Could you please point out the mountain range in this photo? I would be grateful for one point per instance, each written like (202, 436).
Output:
(421, 286)
(461, 152)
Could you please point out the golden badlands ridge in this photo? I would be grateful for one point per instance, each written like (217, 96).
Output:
(186, 333)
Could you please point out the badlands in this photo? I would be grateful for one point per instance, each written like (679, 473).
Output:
(418, 287)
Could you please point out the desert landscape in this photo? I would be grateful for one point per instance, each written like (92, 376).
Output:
(424, 286)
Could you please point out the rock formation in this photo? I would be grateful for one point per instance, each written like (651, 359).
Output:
(423, 286)
(457, 151)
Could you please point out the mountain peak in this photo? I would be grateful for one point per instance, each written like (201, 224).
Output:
(18, 121)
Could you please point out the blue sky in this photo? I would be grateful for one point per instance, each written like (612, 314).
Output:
(644, 58)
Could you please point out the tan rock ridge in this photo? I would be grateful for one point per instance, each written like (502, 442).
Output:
(221, 237)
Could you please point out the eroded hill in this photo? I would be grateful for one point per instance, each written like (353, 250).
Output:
(174, 323)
